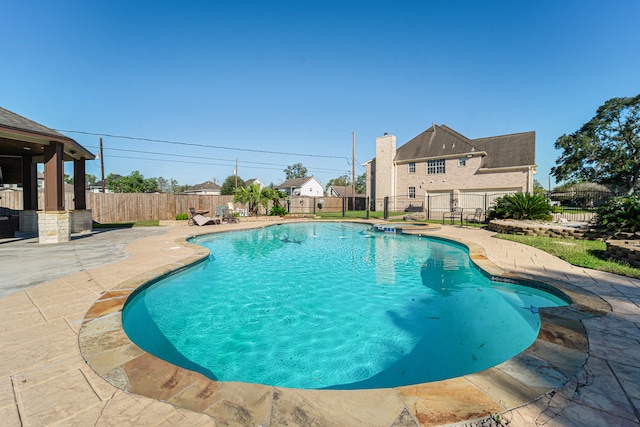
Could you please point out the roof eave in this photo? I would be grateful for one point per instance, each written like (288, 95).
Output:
(42, 138)
(448, 156)
(507, 169)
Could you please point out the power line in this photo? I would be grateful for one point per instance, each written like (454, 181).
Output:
(204, 163)
(197, 157)
(191, 144)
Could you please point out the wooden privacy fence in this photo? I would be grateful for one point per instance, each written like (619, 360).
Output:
(126, 207)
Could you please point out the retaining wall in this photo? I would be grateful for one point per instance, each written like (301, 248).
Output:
(541, 229)
(625, 250)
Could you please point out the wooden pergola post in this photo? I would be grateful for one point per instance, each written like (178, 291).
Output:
(53, 177)
(79, 185)
(29, 184)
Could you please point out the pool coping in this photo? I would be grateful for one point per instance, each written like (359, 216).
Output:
(559, 352)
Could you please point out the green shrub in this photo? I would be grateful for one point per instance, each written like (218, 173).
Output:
(182, 216)
(277, 210)
(521, 206)
(619, 215)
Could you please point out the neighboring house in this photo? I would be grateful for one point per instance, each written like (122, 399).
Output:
(442, 162)
(307, 186)
(68, 188)
(207, 187)
(342, 191)
(97, 186)
(248, 182)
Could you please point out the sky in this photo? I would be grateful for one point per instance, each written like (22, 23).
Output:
(184, 90)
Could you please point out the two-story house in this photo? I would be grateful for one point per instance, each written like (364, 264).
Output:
(444, 168)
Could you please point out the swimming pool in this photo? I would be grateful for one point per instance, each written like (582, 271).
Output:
(333, 305)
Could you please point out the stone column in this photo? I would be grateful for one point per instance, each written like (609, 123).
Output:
(54, 226)
(81, 221)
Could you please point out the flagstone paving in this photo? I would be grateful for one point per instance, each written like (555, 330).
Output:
(65, 360)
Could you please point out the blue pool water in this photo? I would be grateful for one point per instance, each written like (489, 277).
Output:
(333, 305)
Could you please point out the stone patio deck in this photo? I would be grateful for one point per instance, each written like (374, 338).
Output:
(45, 380)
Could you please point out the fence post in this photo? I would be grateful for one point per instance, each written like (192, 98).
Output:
(429, 206)
(314, 206)
(386, 208)
(368, 206)
(343, 214)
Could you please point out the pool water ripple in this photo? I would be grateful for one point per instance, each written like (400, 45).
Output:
(329, 305)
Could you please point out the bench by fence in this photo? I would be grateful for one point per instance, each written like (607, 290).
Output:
(452, 215)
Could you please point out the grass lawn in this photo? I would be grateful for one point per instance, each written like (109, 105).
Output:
(581, 253)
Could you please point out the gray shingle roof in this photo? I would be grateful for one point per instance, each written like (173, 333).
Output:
(437, 141)
(21, 133)
(294, 182)
(518, 149)
(441, 141)
(15, 121)
(207, 185)
(345, 191)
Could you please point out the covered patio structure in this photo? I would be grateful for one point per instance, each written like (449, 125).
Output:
(25, 143)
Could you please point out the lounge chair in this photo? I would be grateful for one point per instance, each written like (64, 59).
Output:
(198, 219)
(204, 220)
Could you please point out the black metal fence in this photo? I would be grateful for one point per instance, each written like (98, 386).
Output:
(435, 205)
(579, 206)
(353, 207)
(573, 206)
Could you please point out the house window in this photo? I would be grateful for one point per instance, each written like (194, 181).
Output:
(412, 167)
(462, 161)
(435, 166)
(412, 192)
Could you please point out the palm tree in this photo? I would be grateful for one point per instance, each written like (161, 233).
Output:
(250, 196)
(521, 206)
(271, 195)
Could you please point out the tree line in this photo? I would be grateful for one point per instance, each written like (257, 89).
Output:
(137, 183)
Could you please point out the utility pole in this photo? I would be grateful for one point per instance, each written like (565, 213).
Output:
(353, 171)
(235, 171)
(102, 164)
